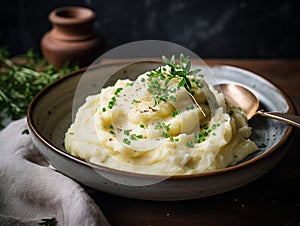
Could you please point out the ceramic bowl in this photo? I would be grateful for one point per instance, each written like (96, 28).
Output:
(50, 115)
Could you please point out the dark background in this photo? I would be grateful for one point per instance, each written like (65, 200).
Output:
(210, 28)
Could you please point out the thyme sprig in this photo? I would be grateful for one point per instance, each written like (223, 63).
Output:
(181, 70)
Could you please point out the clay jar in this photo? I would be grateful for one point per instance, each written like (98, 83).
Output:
(72, 38)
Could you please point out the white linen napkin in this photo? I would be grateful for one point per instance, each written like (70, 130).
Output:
(30, 191)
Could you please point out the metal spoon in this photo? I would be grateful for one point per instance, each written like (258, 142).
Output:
(241, 97)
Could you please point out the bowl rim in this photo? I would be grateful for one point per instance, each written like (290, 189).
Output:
(34, 131)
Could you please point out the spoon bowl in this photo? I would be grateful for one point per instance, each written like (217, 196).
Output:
(242, 97)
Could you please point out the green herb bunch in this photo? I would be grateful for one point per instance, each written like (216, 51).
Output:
(19, 83)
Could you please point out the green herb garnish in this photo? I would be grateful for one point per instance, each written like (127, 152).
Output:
(140, 136)
(19, 83)
(263, 145)
(134, 101)
(164, 135)
(174, 113)
(201, 137)
(191, 107)
(190, 144)
(112, 102)
(133, 137)
(163, 126)
(181, 70)
(118, 90)
(126, 141)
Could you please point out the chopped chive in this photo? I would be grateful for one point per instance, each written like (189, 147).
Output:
(172, 139)
(126, 141)
(142, 126)
(118, 90)
(167, 127)
(158, 125)
(134, 101)
(140, 136)
(112, 102)
(263, 145)
(230, 112)
(191, 107)
(190, 144)
(174, 113)
(112, 132)
(126, 132)
(164, 134)
(132, 137)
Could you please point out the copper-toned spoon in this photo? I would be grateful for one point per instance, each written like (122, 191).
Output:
(241, 97)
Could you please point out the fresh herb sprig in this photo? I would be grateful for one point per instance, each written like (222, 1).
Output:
(19, 83)
(181, 70)
(160, 78)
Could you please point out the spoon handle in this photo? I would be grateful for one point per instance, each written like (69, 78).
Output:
(284, 117)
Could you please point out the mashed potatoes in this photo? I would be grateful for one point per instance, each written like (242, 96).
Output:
(166, 122)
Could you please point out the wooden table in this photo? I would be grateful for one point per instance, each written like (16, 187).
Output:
(273, 199)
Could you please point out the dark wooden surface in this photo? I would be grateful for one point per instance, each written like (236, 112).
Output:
(273, 199)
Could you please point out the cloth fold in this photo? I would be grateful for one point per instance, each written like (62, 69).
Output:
(30, 191)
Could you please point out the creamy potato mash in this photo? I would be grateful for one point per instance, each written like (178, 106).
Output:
(160, 124)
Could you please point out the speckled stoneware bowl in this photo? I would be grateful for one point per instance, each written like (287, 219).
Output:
(50, 115)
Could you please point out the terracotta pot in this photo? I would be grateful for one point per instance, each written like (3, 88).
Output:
(72, 37)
